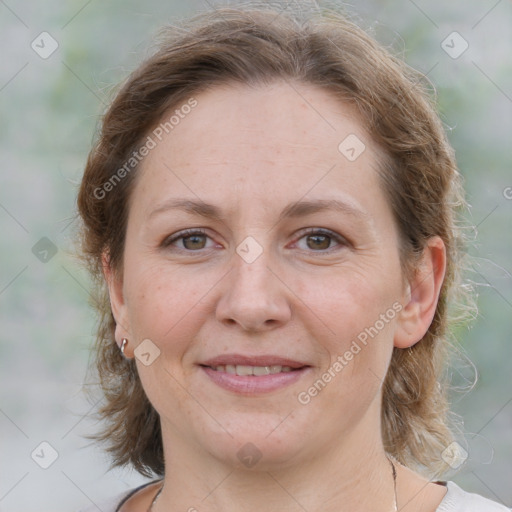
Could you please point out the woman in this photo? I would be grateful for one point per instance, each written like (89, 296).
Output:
(271, 207)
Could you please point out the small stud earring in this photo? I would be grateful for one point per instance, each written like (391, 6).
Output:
(123, 344)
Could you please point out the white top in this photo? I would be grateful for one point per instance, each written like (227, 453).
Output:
(455, 500)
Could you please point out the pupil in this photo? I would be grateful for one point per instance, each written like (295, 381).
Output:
(194, 239)
(321, 238)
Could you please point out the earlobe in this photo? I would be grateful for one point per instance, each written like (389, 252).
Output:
(422, 295)
(117, 303)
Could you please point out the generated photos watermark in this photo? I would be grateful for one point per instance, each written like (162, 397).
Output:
(304, 397)
(151, 142)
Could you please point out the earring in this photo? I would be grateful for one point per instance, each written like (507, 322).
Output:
(123, 344)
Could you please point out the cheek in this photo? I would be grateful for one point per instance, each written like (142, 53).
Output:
(164, 304)
(352, 319)
(347, 301)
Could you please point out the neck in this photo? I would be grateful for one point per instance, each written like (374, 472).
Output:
(353, 477)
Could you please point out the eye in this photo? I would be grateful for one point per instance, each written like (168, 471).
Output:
(192, 239)
(319, 240)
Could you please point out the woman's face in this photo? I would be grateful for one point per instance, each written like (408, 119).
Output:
(272, 321)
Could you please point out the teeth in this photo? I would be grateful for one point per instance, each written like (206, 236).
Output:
(230, 368)
(260, 370)
(243, 370)
(240, 369)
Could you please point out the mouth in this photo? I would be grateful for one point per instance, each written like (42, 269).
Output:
(256, 371)
(253, 375)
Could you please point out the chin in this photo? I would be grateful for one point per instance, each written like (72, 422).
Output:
(257, 444)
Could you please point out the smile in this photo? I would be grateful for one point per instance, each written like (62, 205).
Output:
(252, 370)
(253, 380)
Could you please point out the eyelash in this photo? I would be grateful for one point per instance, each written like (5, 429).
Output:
(309, 231)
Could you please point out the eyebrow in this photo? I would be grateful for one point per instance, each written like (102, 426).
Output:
(293, 210)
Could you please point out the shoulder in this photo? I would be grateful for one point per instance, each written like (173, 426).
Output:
(113, 503)
(458, 500)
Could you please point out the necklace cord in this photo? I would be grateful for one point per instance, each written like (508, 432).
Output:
(395, 504)
(155, 499)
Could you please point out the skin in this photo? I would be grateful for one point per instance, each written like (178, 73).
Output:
(251, 151)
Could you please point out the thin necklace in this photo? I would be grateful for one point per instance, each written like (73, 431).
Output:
(155, 499)
(395, 504)
(394, 509)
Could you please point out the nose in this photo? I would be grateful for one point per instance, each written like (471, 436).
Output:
(253, 296)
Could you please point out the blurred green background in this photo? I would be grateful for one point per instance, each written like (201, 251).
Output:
(49, 111)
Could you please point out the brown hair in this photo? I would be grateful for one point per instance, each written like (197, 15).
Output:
(258, 46)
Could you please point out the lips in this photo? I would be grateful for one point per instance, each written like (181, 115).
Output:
(249, 375)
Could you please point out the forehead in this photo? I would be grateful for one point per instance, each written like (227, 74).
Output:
(290, 119)
(267, 143)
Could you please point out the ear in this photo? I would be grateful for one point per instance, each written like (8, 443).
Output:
(421, 295)
(118, 305)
